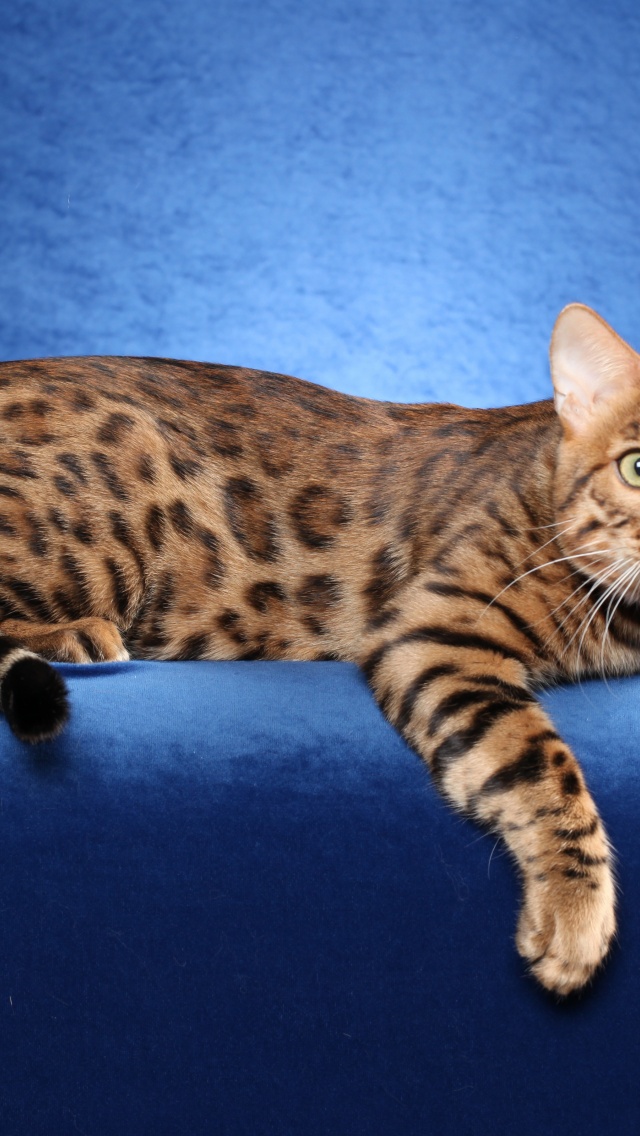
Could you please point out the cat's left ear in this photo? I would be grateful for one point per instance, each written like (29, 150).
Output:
(591, 367)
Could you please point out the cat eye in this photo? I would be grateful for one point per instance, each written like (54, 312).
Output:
(629, 467)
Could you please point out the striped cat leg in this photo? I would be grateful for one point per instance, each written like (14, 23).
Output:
(462, 700)
(33, 695)
(90, 640)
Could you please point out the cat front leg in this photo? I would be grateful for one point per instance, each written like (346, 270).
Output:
(88, 640)
(463, 702)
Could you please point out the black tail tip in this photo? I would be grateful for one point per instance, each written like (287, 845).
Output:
(34, 700)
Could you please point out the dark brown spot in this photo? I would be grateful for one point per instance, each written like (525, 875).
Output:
(43, 438)
(181, 518)
(153, 389)
(164, 597)
(257, 651)
(123, 534)
(73, 465)
(243, 409)
(122, 399)
(115, 427)
(208, 539)
(195, 647)
(184, 467)
(229, 621)
(17, 464)
(387, 575)
(82, 401)
(317, 405)
(313, 625)
(383, 618)
(251, 523)
(155, 526)
(13, 411)
(30, 597)
(38, 541)
(121, 592)
(215, 570)
(317, 512)
(260, 595)
(78, 601)
(83, 532)
(319, 592)
(147, 469)
(571, 784)
(172, 428)
(275, 461)
(583, 857)
(108, 474)
(39, 407)
(222, 375)
(9, 610)
(382, 499)
(59, 521)
(64, 486)
(224, 438)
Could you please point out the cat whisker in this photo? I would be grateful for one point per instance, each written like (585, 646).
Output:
(586, 623)
(547, 564)
(592, 579)
(491, 858)
(595, 581)
(553, 525)
(555, 536)
(582, 584)
(613, 607)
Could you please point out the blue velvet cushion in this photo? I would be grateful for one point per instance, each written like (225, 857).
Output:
(232, 902)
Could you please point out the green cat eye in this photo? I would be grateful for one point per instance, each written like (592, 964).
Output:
(629, 467)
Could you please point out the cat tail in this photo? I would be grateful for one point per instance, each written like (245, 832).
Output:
(33, 696)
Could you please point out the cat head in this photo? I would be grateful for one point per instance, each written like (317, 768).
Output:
(596, 378)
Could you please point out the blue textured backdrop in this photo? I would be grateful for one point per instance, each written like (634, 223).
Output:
(231, 903)
(391, 198)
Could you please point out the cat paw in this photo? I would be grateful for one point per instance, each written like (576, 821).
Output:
(83, 641)
(96, 641)
(567, 925)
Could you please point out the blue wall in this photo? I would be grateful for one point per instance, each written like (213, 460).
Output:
(391, 197)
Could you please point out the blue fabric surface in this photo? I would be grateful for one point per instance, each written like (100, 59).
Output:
(234, 903)
(231, 900)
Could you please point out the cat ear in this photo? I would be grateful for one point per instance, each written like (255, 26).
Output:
(591, 366)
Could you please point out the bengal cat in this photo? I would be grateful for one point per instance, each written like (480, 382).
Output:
(464, 558)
